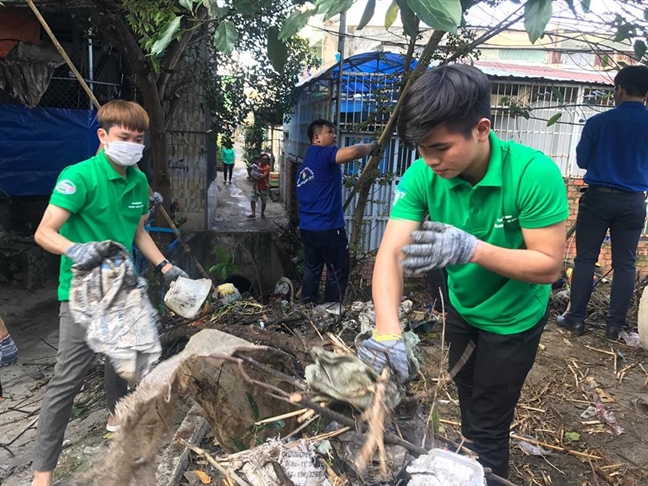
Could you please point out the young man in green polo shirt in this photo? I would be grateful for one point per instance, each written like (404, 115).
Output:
(102, 198)
(497, 222)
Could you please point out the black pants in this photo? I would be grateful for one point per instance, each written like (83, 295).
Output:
(438, 283)
(624, 215)
(330, 248)
(228, 169)
(489, 384)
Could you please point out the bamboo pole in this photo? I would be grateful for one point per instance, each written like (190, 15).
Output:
(97, 105)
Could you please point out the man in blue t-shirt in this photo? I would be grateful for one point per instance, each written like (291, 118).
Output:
(614, 150)
(321, 218)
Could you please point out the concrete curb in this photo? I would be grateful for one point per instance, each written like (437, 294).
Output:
(173, 460)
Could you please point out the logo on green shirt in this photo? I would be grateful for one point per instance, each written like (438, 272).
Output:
(65, 186)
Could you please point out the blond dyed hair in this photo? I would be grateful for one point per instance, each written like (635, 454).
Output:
(125, 114)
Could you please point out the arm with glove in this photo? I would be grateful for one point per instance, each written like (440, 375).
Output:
(386, 346)
(437, 245)
(357, 151)
(149, 249)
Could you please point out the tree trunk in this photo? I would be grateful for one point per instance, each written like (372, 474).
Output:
(368, 176)
(161, 181)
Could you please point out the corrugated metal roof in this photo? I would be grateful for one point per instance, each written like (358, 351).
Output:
(512, 70)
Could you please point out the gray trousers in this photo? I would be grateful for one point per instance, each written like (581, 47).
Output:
(72, 362)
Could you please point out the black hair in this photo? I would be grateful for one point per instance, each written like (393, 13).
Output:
(634, 79)
(316, 126)
(455, 95)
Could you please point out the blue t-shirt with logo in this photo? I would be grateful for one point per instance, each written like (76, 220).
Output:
(319, 190)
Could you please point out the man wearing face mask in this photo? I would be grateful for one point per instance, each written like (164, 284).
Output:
(102, 198)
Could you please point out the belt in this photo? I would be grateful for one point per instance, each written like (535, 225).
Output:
(609, 190)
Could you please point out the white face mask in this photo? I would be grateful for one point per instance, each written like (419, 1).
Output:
(124, 153)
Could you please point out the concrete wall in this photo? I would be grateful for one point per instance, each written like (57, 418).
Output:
(257, 256)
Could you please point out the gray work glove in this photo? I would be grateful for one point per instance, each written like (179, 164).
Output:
(173, 273)
(87, 255)
(379, 353)
(437, 245)
(376, 149)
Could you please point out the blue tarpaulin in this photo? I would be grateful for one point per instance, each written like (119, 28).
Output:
(379, 63)
(36, 144)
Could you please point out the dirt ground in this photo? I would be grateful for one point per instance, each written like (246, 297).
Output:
(554, 397)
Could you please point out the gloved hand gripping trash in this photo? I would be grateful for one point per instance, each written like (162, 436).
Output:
(173, 273)
(386, 350)
(437, 245)
(111, 302)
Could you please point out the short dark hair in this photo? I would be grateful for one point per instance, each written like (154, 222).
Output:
(634, 79)
(125, 114)
(455, 95)
(316, 126)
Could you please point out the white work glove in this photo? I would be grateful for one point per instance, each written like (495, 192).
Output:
(388, 350)
(437, 245)
(173, 273)
(87, 255)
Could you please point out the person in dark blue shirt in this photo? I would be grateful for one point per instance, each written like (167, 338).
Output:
(614, 151)
(321, 217)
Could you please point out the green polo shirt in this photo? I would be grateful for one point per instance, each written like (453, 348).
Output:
(522, 188)
(104, 206)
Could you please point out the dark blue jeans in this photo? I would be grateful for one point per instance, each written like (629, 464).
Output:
(330, 248)
(624, 214)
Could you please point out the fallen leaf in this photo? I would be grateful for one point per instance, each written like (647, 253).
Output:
(203, 477)
(109, 435)
(605, 396)
(572, 436)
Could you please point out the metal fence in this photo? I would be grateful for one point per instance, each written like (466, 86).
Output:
(543, 115)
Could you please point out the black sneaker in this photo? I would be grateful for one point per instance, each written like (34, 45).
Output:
(612, 332)
(576, 328)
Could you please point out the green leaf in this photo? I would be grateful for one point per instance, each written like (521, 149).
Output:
(572, 436)
(554, 119)
(295, 22)
(605, 61)
(214, 10)
(558, 95)
(367, 15)
(439, 14)
(585, 5)
(277, 50)
(225, 37)
(436, 421)
(254, 408)
(329, 8)
(537, 14)
(245, 7)
(188, 4)
(572, 7)
(166, 36)
(392, 13)
(409, 19)
(639, 49)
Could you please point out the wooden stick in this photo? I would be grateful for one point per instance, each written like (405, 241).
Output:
(281, 417)
(213, 462)
(63, 54)
(556, 448)
(609, 353)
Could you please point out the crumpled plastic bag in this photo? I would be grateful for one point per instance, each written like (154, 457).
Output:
(346, 378)
(111, 302)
